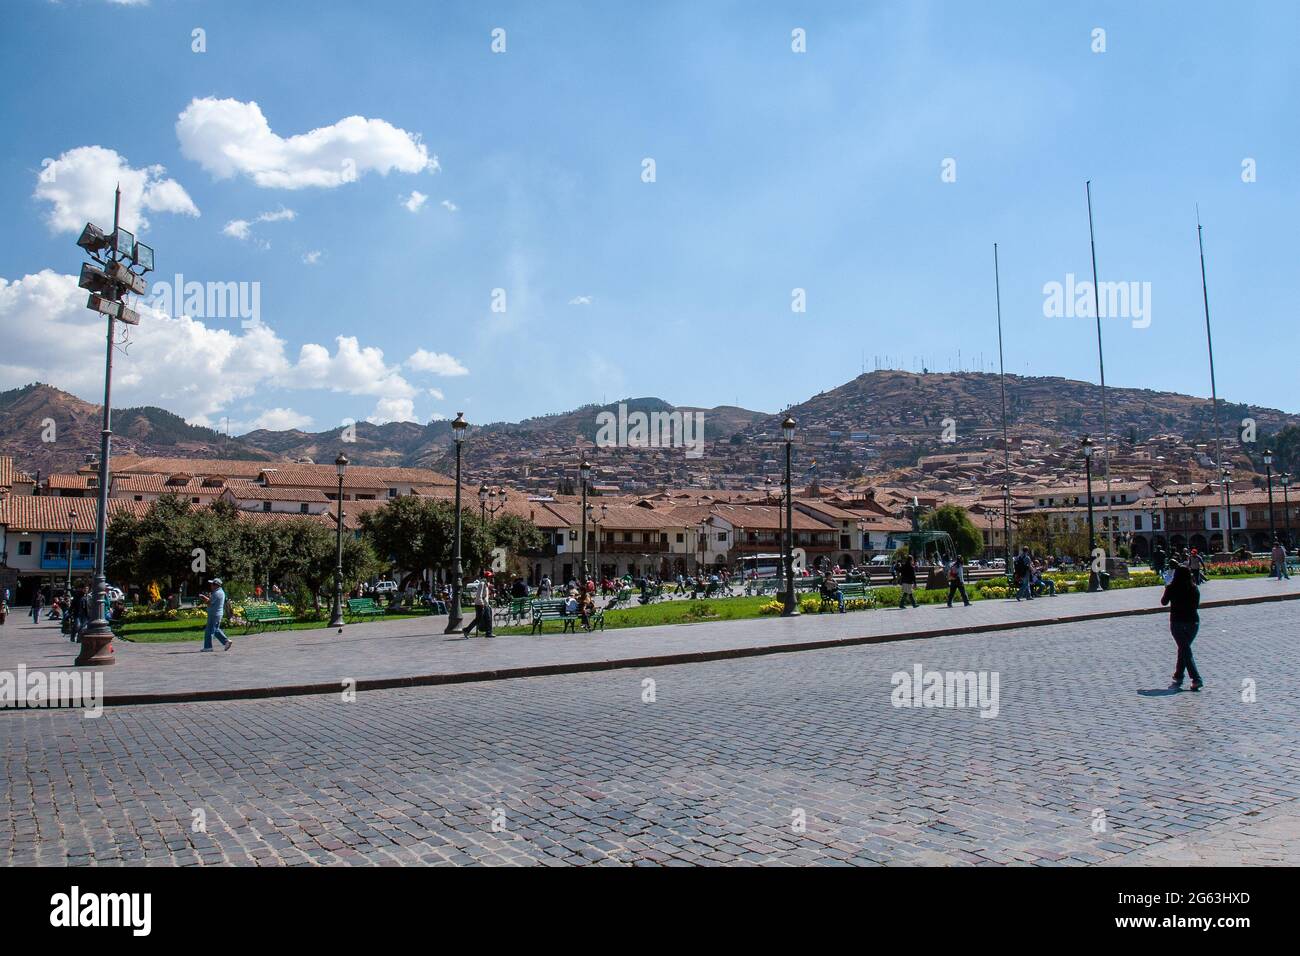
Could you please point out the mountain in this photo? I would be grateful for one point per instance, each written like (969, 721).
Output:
(881, 422)
(48, 430)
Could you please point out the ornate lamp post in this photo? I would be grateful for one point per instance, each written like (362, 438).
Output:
(584, 475)
(596, 523)
(1268, 470)
(791, 608)
(1094, 583)
(458, 427)
(1227, 492)
(72, 520)
(1006, 529)
(336, 620)
(1285, 477)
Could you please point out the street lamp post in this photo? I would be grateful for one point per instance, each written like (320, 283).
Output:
(1268, 470)
(118, 255)
(336, 620)
(72, 520)
(458, 427)
(1165, 518)
(1285, 478)
(584, 474)
(791, 609)
(1227, 494)
(1094, 582)
(1006, 528)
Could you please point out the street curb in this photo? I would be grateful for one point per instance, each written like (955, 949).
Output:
(664, 660)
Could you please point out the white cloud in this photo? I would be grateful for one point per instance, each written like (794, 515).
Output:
(392, 410)
(79, 186)
(242, 228)
(180, 363)
(415, 202)
(229, 138)
(448, 205)
(580, 300)
(439, 363)
(311, 258)
(437, 393)
(273, 419)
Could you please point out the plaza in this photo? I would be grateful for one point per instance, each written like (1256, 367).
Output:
(774, 759)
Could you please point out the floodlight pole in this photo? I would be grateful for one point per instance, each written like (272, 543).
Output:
(97, 638)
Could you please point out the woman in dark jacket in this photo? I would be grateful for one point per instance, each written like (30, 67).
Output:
(1183, 598)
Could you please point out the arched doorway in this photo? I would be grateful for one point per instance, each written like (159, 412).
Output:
(1198, 542)
(1138, 547)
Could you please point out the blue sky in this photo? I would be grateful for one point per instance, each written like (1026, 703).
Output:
(775, 170)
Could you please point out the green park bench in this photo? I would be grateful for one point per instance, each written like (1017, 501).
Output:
(621, 599)
(364, 607)
(553, 610)
(852, 590)
(512, 612)
(652, 594)
(262, 615)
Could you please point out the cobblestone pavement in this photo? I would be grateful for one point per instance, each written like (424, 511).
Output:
(720, 767)
(391, 650)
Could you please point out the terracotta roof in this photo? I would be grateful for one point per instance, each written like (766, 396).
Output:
(357, 476)
(6, 471)
(227, 468)
(47, 513)
(248, 491)
(764, 517)
(60, 481)
(618, 517)
(137, 484)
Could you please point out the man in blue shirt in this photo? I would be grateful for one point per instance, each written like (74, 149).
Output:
(216, 598)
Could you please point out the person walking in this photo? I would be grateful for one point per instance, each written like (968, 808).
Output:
(216, 601)
(907, 582)
(957, 581)
(1024, 574)
(1183, 598)
(1196, 565)
(82, 612)
(1279, 561)
(482, 592)
(38, 602)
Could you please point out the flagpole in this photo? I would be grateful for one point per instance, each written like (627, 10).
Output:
(1214, 394)
(1101, 364)
(1006, 448)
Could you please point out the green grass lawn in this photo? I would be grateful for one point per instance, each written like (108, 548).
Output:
(165, 632)
(670, 612)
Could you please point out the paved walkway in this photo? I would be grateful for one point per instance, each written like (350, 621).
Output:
(784, 759)
(402, 653)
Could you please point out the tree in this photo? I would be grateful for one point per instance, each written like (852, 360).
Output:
(966, 538)
(411, 533)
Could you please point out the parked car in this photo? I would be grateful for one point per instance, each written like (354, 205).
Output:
(386, 587)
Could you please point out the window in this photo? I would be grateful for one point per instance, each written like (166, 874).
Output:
(1214, 519)
(24, 547)
(1236, 519)
(1137, 522)
(194, 501)
(627, 537)
(681, 538)
(137, 497)
(392, 492)
(266, 506)
(722, 536)
(302, 508)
